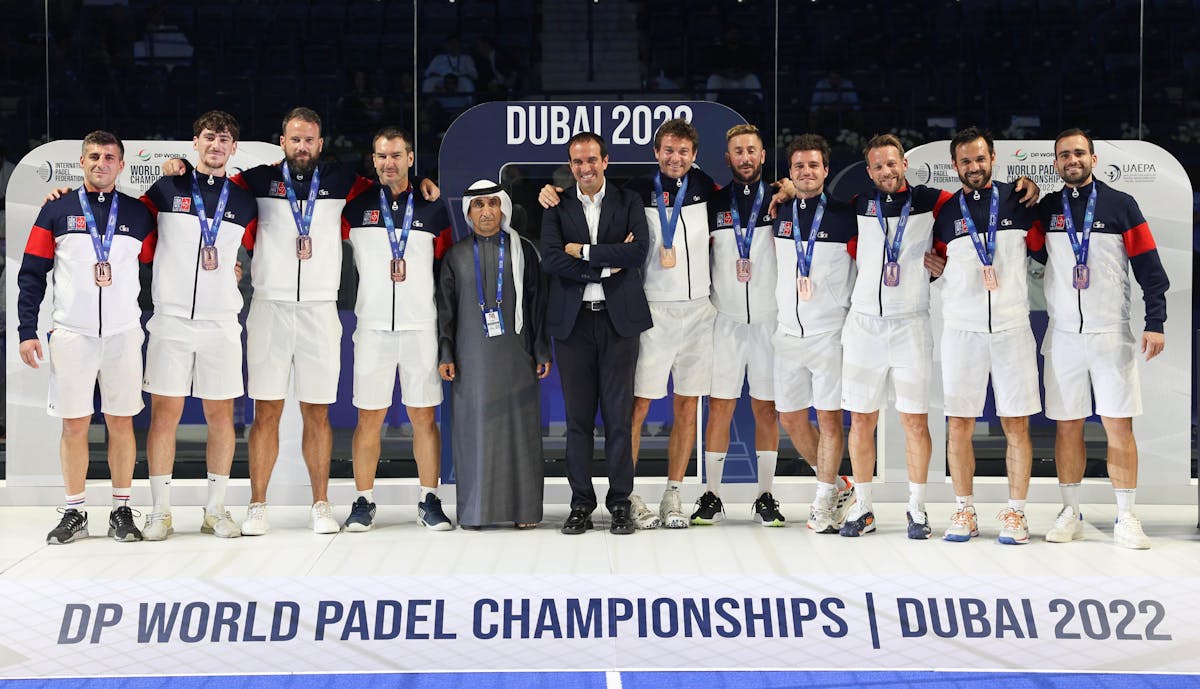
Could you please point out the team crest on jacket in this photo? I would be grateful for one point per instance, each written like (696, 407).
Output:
(871, 208)
(1057, 222)
(370, 217)
(960, 227)
(76, 222)
(724, 218)
(785, 228)
(181, 204)
(277, 189)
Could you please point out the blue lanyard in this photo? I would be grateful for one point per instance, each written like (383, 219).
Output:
(209, 233)
(893, 250)
(745, 236)
(804, 256)
(398, 246)
(1080, 247)
(303, 223)
(499, 274)
(985, 254)
(668, 226)
(102, 245)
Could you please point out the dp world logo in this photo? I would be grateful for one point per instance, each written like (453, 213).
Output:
(143, 155)
(1112, 173)
(45, 171)
(1019, 154)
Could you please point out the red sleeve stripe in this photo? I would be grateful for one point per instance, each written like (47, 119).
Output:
(361, 184)
(345, 229)
(149, 204)
(852, 248)
(1035, 238)
(939, 248)
(239, 180)
(1138, 240)
(441, 243)
(41, 243)
(149, 244)
(250, 235)
(943, 197)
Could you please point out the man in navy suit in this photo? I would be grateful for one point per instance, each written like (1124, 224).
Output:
(594, 244)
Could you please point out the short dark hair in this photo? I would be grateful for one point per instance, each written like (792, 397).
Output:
(966, 136)
(809, 142)
(304, 115)
(391, 132)
(883, 141)
(103, 138)
(217, 121)
(583, 137)
(680, 128)
(1075, 131)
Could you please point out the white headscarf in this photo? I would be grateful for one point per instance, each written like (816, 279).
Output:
(484, 188)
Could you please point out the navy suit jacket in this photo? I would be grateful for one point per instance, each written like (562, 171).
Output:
(621, 213)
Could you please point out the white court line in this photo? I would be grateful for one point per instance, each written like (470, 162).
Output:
(612, 680)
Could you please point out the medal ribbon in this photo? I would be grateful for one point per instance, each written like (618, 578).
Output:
(499, 276)
(668, 226)
(743, 236)
(101, 245)
(804, 256)
(303, 222)
(398, 246)
(988, 253)
(893, 251)
(1080, 245)
(209, 234)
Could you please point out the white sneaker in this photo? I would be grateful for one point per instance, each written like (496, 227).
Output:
(1068, 526)
(322, 518)
(1127, 533)
(671, 511)
(256, 520)
(642, 517)
(843, 500)
(1014, 529)
(220, 524)
(158, 526)
(820, 519)
(964, 525)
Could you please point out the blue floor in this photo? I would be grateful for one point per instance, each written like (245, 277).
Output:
(636, 680)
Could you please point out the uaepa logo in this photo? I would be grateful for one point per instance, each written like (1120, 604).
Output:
(1111, 173)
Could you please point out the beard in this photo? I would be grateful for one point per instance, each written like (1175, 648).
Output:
(977, 183)
(747, 179)
(302, 166)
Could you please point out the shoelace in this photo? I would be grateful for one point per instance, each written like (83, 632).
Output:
(72, 518)
(962, 518)
(1065, 517)
(124, 516)
(323, 510)
(1012, 519)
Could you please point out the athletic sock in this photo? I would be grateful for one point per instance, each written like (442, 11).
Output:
(964, 501)
(1018, 505)
(825, 496)
(865, 500)
(916, 498)
(425, 492)
(767, 462)
(1125, 498)
(714, 469)
(216, 493)
(160, 492)
(673, 485)
(76, 502)
(120, 497)
(1070, 495)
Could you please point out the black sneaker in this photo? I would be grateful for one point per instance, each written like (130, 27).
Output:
(431, 516)
(121, 527)
(72, 527)
(362, 515)
(622, 523)
(766, 510)
(709, 510)
(580, 520)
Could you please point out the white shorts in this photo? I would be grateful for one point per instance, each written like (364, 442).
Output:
(872, 348)
(808, 372)
(679, 346)
(378, 354)
(78, 361)
(1009, 356)
(280, 334)
(742, 351)
(1080, 365)
(187, 357)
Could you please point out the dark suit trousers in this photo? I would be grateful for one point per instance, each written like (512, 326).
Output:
(596, 366)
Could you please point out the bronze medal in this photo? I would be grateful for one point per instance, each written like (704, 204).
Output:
(804, 288)
(743, 270)
(666, 256)
(103, 273)
(990, 283)
(208, 257)
(399, 270)
(304, 247)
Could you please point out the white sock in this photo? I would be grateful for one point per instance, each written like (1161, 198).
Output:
(1125, 501)
(964, 501)
(120, 497)
(767, 462)
(76, 502)
(425, 492)
(160, 491)
(916, 497)
(825, 495)
(1070, 495)
(865, 501)
(216, 493)
(714, 469)
(369, 494)
(1018, 505)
